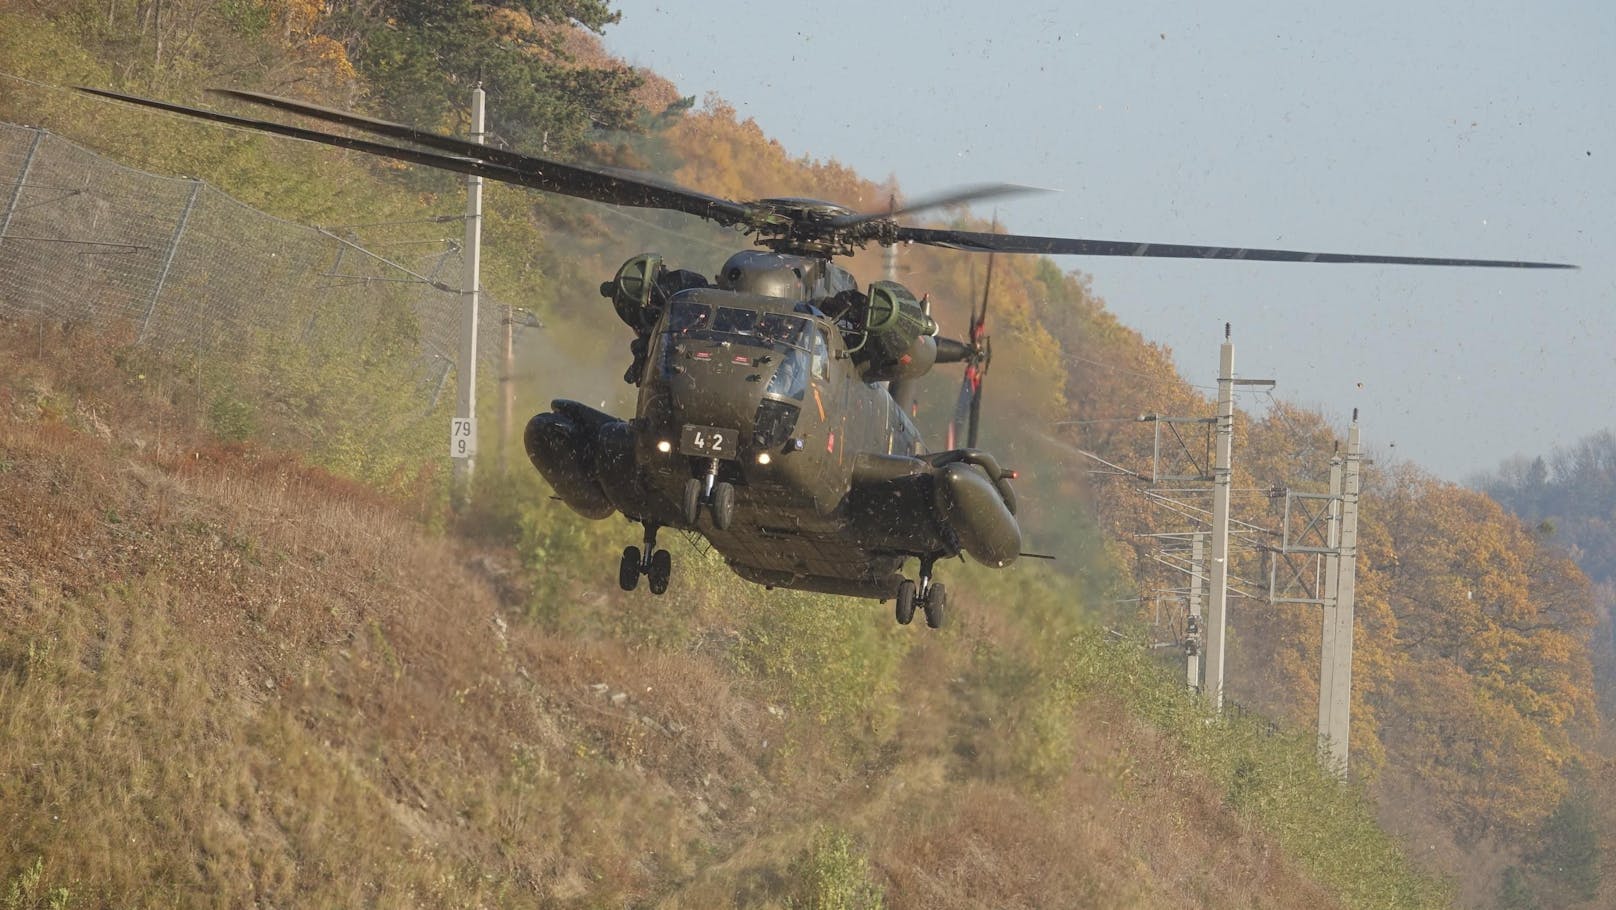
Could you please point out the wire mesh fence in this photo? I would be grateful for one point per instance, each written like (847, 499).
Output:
(181, 265)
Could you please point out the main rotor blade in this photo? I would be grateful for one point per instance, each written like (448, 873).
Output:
(958, 196)
(1070, 246)
(458, 146)
(614, 187)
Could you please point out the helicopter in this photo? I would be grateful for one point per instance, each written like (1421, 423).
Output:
(771, 415)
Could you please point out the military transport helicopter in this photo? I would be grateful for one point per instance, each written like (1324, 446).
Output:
(769, 417)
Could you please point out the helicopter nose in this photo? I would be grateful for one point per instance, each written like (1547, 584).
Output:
(719, 387)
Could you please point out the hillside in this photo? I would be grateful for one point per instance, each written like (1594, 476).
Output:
(227, 677)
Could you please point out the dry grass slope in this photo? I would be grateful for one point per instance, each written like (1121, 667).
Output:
(229, 679)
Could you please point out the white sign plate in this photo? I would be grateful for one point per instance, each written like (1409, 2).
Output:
(462, 437)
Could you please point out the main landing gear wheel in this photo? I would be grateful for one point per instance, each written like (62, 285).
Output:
(936, 602)
(692, 502)
(662, 569)
(929, 596)
(654, 564)
(723, 504)
(628, 571)
(906, 602)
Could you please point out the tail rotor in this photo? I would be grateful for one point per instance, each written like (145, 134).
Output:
(968, 407)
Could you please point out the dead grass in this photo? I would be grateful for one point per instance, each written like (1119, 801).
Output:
(229, 679)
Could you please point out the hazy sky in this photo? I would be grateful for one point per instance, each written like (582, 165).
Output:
(1471, 129)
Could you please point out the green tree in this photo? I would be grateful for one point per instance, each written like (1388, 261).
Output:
(422, 57)
(1569, 855)
(1515, 892)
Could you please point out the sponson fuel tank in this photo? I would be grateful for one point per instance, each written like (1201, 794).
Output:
(563, 445)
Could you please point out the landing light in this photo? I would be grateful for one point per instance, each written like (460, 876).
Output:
(664, 446)
(764, 458)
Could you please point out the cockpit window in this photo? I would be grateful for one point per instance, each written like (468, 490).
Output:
(778, 328)
(687, 316)
(769, 330)
(735, 321)
(779, 332)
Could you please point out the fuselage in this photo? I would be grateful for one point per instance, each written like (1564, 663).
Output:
(783, 414)
(765, 423)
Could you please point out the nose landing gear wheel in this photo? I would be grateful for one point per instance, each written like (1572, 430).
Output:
(723, 505)
(936, 603)
(662, 569)
(628, 571)
(906, 602)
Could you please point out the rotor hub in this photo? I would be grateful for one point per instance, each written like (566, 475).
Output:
(814, 227)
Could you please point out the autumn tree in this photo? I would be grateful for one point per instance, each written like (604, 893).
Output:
(1495, 685)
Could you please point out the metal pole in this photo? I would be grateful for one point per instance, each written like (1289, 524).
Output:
(168, 260)
(1341, 682)
(1327, 641)
(1217, 613)
(22, 181)
(470, 276)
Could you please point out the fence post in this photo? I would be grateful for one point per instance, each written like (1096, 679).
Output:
(22, 180)
(168, 259)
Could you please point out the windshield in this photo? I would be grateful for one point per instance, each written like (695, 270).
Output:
(737, 325)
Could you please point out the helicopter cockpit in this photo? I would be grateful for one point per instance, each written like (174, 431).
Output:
(715, 333)
(795, 342)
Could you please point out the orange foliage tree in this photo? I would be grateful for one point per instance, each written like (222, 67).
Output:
(1495, 688)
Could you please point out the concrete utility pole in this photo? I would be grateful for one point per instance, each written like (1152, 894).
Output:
(463, 434)
(1223, 452)
(1332, 574)
(1206, 618)
(1339, 728)
(1192, 635)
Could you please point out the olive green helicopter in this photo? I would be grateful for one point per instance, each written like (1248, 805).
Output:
(771, 414)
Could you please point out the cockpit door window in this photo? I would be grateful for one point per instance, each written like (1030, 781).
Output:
(790, 379)
(821, 353)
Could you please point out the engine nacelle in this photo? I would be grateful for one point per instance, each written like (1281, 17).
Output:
(630, 291)
(899, 337)
(975, 508)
